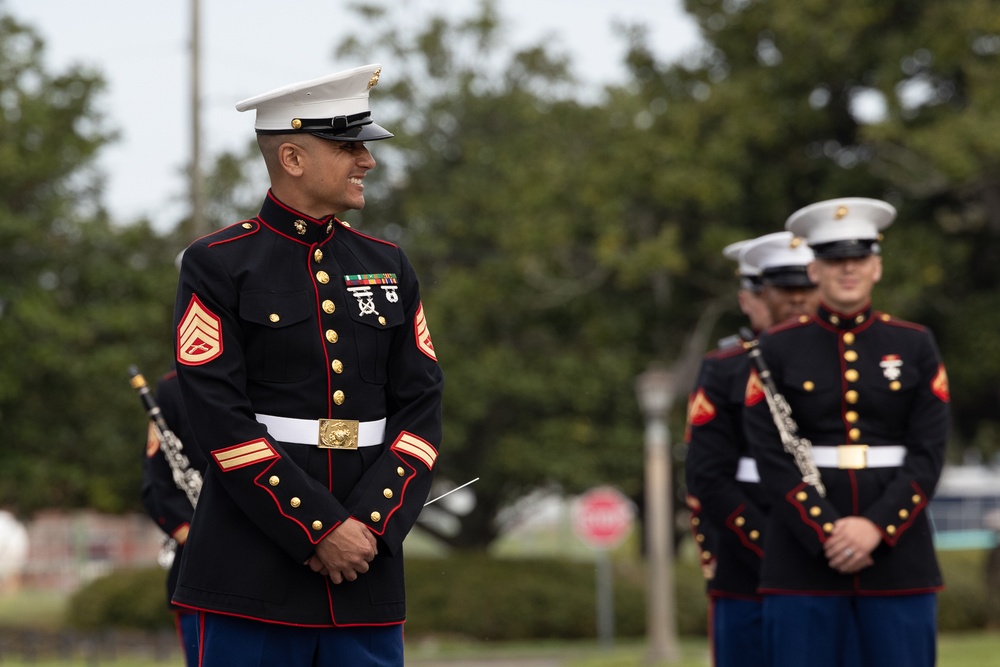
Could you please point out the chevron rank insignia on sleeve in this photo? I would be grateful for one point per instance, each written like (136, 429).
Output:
(424, 342)
(199, 335)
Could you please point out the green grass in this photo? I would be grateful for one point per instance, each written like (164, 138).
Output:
(32, 609)
(981, 649)
(969, 649)
(692, 653)
(975, 649)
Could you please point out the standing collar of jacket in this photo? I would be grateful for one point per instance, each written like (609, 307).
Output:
(844, 321)
(297, 226)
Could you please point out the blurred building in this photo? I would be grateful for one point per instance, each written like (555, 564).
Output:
(965, 510)
(13, 552)
(69, 549)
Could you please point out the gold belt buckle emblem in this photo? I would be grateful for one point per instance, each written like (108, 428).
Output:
(338, 434)
(852, 457)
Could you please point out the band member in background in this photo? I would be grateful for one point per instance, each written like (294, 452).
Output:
(723, 485)
(869, 397)
(169, 505)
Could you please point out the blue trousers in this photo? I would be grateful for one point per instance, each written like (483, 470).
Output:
(228, 641)
(821, 631)
(737, 633)
(187, 629)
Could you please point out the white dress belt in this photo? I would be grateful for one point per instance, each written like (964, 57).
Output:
(746, 471)
(853, 457)
(307, 431)
(843, 456)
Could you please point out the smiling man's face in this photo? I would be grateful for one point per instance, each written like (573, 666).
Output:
(845, 285)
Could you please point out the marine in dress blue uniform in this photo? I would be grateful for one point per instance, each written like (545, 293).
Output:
(312, 383)
(752, 305)
(870, 393)
(167, 504)
(729, 508)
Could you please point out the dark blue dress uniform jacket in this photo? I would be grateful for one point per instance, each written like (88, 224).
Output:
(863, 378)
(165, 503)
(267, 323)
(729, 515)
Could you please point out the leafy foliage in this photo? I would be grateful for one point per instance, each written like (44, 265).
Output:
(75, 293)
(123, 599)
(507, 204)
(563, 243)
(528, 598)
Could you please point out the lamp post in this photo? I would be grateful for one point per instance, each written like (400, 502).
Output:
(655, 391)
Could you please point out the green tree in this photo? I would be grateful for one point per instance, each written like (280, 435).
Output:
(512, 195)
(800, 101)
(562, 244)
(80, 299)
(938, 146)
(502, 188)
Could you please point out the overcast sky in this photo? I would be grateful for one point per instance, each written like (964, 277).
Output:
(251, 46)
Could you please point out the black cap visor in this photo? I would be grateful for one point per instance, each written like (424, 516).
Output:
(787, 276)
(357, 127)
(369, 132)
(845, 249)
(750, 282)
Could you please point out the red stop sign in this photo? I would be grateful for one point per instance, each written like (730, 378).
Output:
(603, 517)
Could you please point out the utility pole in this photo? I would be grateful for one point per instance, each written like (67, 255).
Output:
(197, 225)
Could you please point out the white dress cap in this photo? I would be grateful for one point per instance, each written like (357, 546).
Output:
(776, 250)
(333, 107)
(732, 252)
(846, 227)
(781, 257)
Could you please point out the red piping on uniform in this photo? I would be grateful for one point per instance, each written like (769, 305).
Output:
(868, 592)
(249, 232)
(790, 497)
(272, 622)
(201, 639)
(731, 525)
(892, 321)
(855, 502)
(281, 510)
(371, 238)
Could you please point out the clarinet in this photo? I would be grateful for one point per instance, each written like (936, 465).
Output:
(186, 478)
(800, 448)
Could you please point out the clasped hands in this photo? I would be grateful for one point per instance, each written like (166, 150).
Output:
(345, 552)
(849, 547)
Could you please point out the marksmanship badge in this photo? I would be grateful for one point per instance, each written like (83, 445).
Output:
(360, 286)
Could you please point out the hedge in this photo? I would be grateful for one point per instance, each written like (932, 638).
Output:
(479, 597)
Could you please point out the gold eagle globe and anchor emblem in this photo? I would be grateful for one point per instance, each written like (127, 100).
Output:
(338, 433)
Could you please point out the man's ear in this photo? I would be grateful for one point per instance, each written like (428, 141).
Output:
(877, 275)
(291, 158)
(743, 298)
(812, 270)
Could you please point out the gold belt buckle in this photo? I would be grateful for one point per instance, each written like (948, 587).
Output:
(852, 457)
(338, 434)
